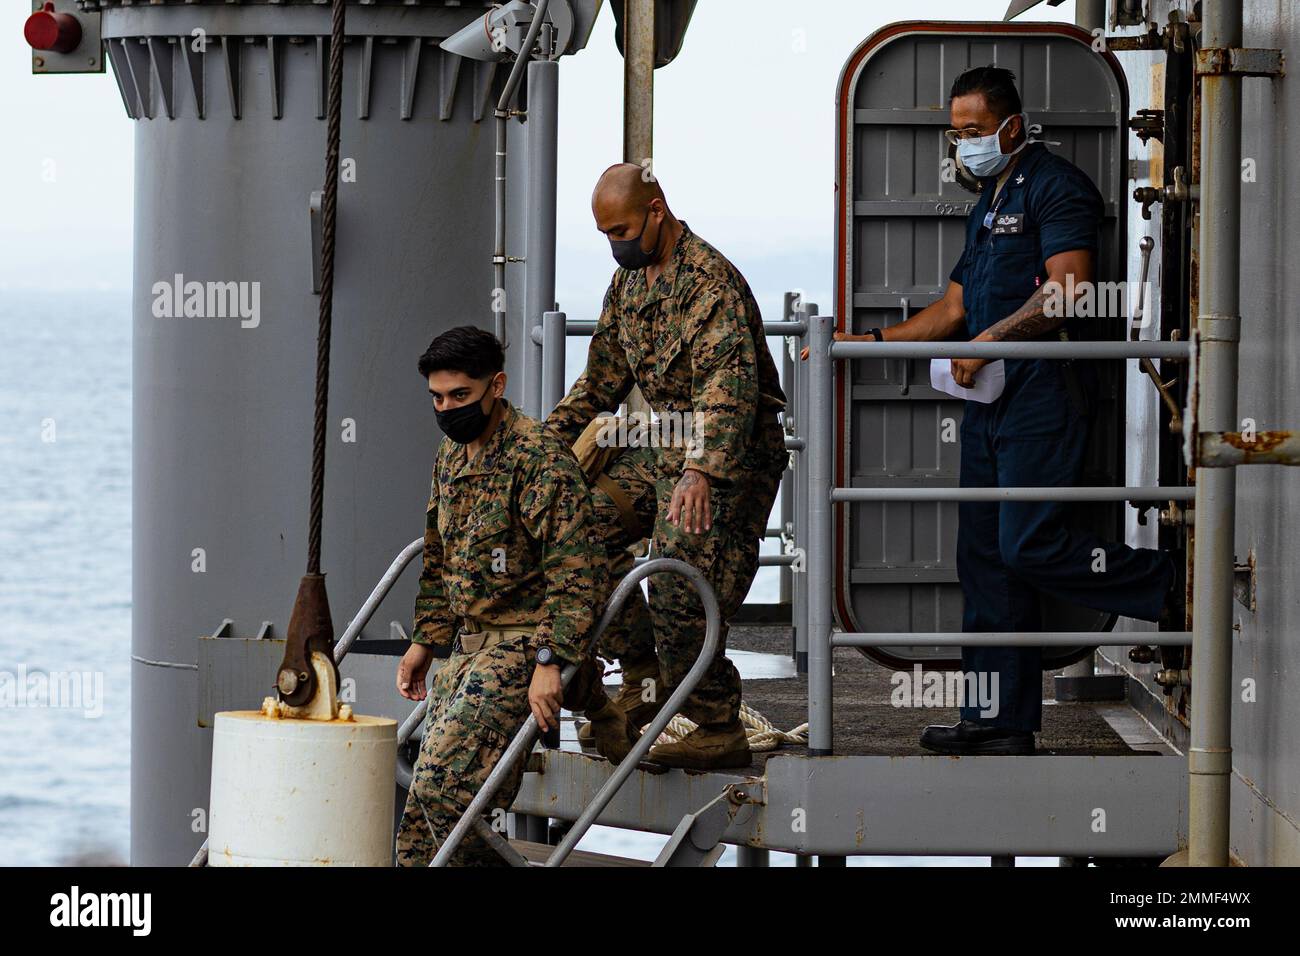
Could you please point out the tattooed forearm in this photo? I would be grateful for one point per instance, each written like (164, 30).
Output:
(1028, 322)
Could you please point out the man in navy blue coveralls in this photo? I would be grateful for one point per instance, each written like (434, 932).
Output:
(1037, 222)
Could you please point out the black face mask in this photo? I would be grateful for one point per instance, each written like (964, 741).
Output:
(628, 252)
(466, 423)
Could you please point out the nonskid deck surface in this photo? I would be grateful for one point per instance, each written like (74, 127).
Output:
(868, 724)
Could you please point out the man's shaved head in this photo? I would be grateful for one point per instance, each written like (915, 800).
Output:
(625, 187)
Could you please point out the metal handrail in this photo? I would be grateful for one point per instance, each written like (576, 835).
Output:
(1013, 350)
(580, 328)
(350, 635)
(522, 743)
(1008, 638)
(1018, 493)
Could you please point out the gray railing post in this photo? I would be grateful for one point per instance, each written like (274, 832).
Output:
(799, 610)
(553, 346)
(542, 132)
(788, 362)
(820, 541)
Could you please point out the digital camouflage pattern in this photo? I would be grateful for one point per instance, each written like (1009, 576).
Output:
(477, 703)
(509, 542)
(693, 342)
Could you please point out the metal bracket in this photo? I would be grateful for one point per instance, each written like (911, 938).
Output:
(314, 214)
(1243, 582)
(695, 842)
(1239, 61)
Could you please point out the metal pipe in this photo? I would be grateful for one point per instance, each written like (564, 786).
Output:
(1012, 350)
(764, 560)
(1090, 14)
(581, 327)
(786, 512)
(796, 327)
(1007, 639)
(799, 606)
(502, 115)
(539, 254)
(820, 568)
(750, 856)
(1013, 494)
(376, 598)
(552, 362)
(795, 444)
(414, 720)
(1209, 758)
(638, 82)
(787, 494)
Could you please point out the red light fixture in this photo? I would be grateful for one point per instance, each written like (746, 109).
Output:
(46, 29)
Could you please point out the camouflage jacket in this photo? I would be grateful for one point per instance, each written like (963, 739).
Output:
(509, 542)
(694, 344)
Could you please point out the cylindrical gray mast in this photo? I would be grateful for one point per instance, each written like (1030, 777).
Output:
(229, 149)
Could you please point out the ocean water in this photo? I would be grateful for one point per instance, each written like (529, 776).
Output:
(65, 576)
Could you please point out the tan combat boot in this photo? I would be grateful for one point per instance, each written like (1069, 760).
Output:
(629, 701)
(707, 747)
(610, 732)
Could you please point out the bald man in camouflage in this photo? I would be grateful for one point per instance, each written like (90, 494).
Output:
(680, 322)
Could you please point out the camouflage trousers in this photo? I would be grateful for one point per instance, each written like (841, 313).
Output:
(671, 626)
(477, 703)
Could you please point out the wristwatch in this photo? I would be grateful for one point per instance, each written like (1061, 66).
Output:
(879, 336)
(546, 657)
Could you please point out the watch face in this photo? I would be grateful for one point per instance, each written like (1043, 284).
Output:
(545, 655)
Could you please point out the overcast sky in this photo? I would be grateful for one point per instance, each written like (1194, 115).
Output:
(743, 145)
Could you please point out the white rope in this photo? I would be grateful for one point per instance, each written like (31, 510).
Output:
(763, 736)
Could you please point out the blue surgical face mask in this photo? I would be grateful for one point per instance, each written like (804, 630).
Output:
(983, 155)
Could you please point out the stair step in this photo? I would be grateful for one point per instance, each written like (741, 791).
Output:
(538, 852)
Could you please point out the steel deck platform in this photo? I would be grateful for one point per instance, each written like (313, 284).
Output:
(1103, 784)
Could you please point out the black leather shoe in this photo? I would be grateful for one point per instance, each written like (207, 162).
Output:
(967, 737)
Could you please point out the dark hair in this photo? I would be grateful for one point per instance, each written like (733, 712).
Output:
(996, 85)
(464, 349)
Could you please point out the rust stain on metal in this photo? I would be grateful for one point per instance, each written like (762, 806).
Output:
(1263, 441)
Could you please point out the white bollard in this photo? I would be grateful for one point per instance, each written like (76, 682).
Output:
(289, 792)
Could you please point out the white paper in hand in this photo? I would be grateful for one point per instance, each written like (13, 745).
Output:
(989, 381)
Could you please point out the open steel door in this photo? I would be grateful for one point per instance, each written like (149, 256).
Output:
(899, 231)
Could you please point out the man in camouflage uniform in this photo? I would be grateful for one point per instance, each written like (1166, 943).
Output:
(511, 572)
(680, 322)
